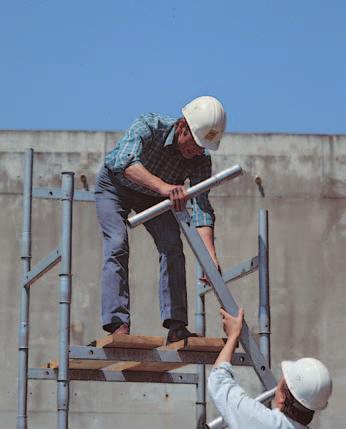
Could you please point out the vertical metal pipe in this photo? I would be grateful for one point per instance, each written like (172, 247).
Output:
(201, 413)
(67, 190)
(23, 346)
(263, 274)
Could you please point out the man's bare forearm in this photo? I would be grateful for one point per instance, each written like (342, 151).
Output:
(138, 174)
(226, 353)
(232, 327)
(207, 235)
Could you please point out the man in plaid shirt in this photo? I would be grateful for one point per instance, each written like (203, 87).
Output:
(151, 162)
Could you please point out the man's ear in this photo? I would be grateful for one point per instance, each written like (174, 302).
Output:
(182, 123)
(281, 398)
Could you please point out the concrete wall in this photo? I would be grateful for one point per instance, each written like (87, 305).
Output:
(304, 178)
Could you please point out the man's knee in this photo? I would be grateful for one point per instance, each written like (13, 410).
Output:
(172, 248)
(117, 245)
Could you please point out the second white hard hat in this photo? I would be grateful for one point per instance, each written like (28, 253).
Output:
(207, 121)
(309, 382)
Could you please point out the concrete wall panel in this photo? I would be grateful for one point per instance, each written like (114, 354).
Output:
(304, 179)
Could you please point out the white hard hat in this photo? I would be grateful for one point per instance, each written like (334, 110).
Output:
(207, 121)
(309, 382)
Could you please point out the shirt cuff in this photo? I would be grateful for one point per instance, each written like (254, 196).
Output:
(121, 166)
(225, 367)
(203, 219)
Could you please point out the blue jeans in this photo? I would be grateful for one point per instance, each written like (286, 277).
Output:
(113, 205)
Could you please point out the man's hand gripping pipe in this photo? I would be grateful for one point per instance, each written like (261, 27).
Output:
(163, 206)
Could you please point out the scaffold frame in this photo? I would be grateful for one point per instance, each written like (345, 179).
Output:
(256, 356)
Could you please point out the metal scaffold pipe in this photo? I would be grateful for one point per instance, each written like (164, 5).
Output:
(163, 206)
(67, 190)
(263, 277)
(25, 292)
(201, 403)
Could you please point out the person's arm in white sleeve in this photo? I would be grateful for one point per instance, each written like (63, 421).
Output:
(235, 406)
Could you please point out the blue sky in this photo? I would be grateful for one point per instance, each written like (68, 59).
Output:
(277, 66)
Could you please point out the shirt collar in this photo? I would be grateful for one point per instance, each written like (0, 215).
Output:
(170, 137)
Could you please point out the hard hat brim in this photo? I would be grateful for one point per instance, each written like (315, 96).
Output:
(206, 144)
(286, 366)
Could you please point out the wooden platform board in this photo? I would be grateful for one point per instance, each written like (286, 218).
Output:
(129, 341)
(199, 344)
(202, 344)
(118, 366)
(141, 342)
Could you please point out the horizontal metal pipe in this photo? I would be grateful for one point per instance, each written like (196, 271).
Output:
(55, 194)
(219, 423)
(155, 355)
(115, 376)
(163, 206)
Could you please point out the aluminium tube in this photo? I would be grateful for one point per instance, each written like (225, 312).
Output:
(67, 189)
(165, 205)
(23, 346)
(263, 277)
(219, 423)
(201, 403)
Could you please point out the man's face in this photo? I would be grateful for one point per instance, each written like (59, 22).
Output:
(186, 143)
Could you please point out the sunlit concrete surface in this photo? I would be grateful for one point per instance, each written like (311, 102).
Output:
(304, 181)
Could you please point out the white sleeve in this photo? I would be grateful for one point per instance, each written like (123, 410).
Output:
(236, 407)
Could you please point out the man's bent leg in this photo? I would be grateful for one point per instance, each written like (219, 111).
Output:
(114, 281)
(172, 292)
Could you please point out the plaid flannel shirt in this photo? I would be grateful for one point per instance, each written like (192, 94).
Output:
(150, 142)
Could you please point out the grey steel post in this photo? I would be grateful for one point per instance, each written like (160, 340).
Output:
(23, 347)
(224, 297)
(67, 190)
(201, 404)
(263, 276)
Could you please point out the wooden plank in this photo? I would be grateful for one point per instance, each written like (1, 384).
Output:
(82, 364)
(140, 342)
(129, 341)
(145, 366)
(119, 366)
(204, 344)
(200, 344)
